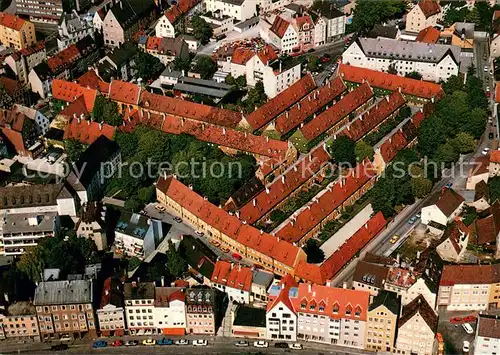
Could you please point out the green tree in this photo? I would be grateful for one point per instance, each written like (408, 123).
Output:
(446, 153)
(277, 216)
(74, 149)
(106, 111)
(176, 263)
(391, 69)
(147, 66)
(205, 66)
(256, 97)
(32, 263)
(182, 63)
(133, 263)
(342, 150)
(128, 143)
(133, 204)
(473, 16)
(414, 75)
(368, 13)
(463, 143)
(456, 13)
(421, 186)
(201, 29)
(493, 187)
(363, 150)
(241, 81)
(146, 194)
(313, 63)
(314, 253)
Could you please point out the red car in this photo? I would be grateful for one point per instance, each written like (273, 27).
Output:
(470, 319)
(236, 256)
(117, 343)
(456, 320)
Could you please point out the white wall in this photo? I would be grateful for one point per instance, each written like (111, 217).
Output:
(173, 316)
(164, 28)
(278, 319)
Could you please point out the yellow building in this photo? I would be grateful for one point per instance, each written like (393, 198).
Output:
(16, 32)
(227, 230)
(382, 322)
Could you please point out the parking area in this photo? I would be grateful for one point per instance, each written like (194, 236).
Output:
(451, 327)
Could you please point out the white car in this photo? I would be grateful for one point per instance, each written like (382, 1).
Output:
(261, 344)
(466, 346)
(295, 346)
(485, 68)
(182, 342)
(242, 343)
(485, 151)
(200, 342)
(468, 328)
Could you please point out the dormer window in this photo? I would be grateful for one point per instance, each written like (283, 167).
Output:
(302, 306)
(321, 308)
(336, 308)
(312, 307)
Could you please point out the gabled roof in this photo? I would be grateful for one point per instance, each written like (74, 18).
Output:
(267, 54)
(13, 22)
(128, 12)
(87, 132)
(383, 31)
(470, 274)
(283, 185)
(242, 55)
(370, 274)
(419, 306)
(124, 92)
(112, 293)
(394, 144)
(388, 299)
(286, 283)
(233, 276)
(429, 7)
(181, 8)
(391, 82)
(279, 26)
(495, 155)
(488, 228)
(303, 20)
(327, 119)
(447, 200)
(91, 80)
(64, 58)
(69, 92)
(280, 103)
(488, 326)
(428, 35)
(11, 86)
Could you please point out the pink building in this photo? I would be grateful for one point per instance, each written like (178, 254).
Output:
(201, 311)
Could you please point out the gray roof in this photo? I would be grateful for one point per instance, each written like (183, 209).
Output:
(169, 73)
(383, 31)
(251, 21)
(261, 277)
(63, 292)
(234, 2)
(466, 28)
(202, 86)
(31, 195)
(405, 50)
(132, 224)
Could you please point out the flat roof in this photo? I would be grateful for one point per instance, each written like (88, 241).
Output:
(200, 90)
(63, 292)
(25, 222)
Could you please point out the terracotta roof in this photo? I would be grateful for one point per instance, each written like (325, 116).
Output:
(495, 155)
(12, 126)
(267, 54)
(181, 8)
(428, 35)
(188, 109)
(242, 55)
(112, 293)
(327, 119)
(153, 43)
(391, 82)
(419, 306)
(488, 327)
(279, 26)
(309, 105)
(334, 302)
(64, 58)
(392, 146)
(429, 7)
(283, 185)
(370, 274)
(286, 283)
(488, 228)
(325, 203)
(454, 234)
(280, 103)
(69, 92)
(11, 21)
(86, 131)
(376, 115)
(237, 276)
(91, 80)
(124, 92)
(37, 47)
(76, 109)
(304, 20)
(227, 224)
(470, 274)
(480, 166)
(11, 86)
(447, 200)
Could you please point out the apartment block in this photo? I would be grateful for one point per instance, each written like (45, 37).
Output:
(382, 322)
(111, 312)
(19, 322)
(139, 305)
(16, 32)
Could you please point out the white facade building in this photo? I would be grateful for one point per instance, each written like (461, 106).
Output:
(73, 28)
(111, 314)
(443, 207)
(424, 14)
(283, 35)
(434, 62)
(239, 10)
(139, 306)
(281, 319)
(41, 122)
(169, 313)
(487, 339)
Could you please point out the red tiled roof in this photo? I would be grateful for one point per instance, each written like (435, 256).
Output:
(188, 109)
(124, 92)
(86, 131)
(286, 283)
(283, 185)
(181, 8)
(495, 155)
(409, 86)
(279, 26)
(242, 55)
(375, 116)
(327, 119)
(267, 54)
(69, 92)
(91, 80)
(37, 47)
(76, 109)
(309, 105)
(392, 146)
(11, 21)
(11, 86)
(303, 20)
(271, 109)
(153, 43)
(470, 274)
(11, 125)
(238, 276)
(227, 224)
(322, 205)
(335, 302)
(488, 228)
(428, 35)
(64, 58)
(429, 7)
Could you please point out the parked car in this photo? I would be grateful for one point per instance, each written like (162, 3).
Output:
(117, 342)
(470, 319)
(149, 342)
(281, 345)
(165, 341)
(236, 256)
(59, 347)
(456, 320)
(99, 344)
(491, 135)
(131, 343)
(182, 342)
(65, 338)
(394, 239)
(466, 346)
(295, 346)
(485, 151)
(412, 220)
(201, 234)
(485, 68)
(215, 243)
(449, 185)
(468, 328)
(241, 343)
(261, 344)
(225, 250)
(200, 342)
(418, 215)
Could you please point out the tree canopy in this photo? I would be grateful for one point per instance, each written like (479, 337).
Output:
(148, 66)
(201, 29)
(74, 149)
(368, 13)
(342, 150)
(314, 254)
(106, 111)
(205, 66)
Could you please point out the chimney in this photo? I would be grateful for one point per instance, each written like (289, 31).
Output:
(163, 281)
(267, 190)
(344, 285)
(282, 179)
(100, 126)
(223, 130)
(254, 202)
(309, 288)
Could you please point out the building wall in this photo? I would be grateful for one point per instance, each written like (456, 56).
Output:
(21, 39)
(112, 31)
(415, 337)
(418, 288)
(432, 213)
(95, 232)
(111, 318)
(139, 314)
(281, 323)
(464, 297)
(365, 287)
(200, 320)
(66, 319)
(494, 296)
(335, 28)
(40, 10)
(129, 245)
(168, 318)
(276, 83)
(381, 329)
(20, 326)
(164, 28)
(486, 346)
(416, 21)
